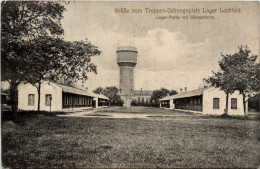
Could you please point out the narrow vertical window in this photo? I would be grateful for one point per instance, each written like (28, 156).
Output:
(233, 103)
(215, 103)
(47, 99)
(31, 100)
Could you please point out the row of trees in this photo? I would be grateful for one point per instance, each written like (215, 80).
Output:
(237, 72)
(154, 99)
(33, 49)
(112, 93)
(141, 102)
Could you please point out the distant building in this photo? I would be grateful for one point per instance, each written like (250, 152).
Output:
(100, 101)
(207, 100)
(142, 95)
(57, 97)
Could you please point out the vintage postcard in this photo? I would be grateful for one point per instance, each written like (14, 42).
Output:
(130, 84)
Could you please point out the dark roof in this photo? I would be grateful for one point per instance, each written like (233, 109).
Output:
(165, 98)
(196, 92)
(101, 96)
(143, 92)
(74, 90)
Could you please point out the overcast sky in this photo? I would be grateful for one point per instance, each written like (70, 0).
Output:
(172, 53)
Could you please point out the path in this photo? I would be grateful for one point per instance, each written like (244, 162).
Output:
(79, 113)
(95, 113)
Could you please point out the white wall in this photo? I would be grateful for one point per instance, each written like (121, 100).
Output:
(172, 105)
(96, 99)
(211, 93)
(25, 90)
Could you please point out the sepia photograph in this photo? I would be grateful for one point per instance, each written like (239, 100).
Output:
(130, 84)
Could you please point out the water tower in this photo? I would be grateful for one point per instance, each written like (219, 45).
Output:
(126, 60)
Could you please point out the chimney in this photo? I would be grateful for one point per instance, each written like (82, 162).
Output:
(185, 88)
(180, 90)
(168, 94)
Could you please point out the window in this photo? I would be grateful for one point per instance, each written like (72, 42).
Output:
(47, 99)
(215, 103)
(233, 103)
(120, 90)
(31, 100)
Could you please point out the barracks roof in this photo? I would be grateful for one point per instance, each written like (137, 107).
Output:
(196, 92)
(74, 90)
(101, 96)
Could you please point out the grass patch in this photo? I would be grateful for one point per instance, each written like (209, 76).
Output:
(65, 142)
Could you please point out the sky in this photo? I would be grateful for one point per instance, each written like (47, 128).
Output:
(171, 53)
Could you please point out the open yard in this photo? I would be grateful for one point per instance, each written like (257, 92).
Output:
(163, 139)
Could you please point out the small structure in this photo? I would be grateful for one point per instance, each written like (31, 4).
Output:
(5, 99)
(54, 97)
(100, 101)
(207, 100)
(166, 103)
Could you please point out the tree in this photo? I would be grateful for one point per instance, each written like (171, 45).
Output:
(33, 50)
(222, 80)
(134, 102)
(158, 94)
(142, 102)
(53, 58)
(245, 73)
(238, 72)
(99, 90)
(112, 93)
(253, 102)
(173, 92)
(21, 22)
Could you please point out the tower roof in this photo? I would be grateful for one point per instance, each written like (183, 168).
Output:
(126, 48)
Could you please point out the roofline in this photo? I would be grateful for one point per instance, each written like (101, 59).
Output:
(55, 84)
(170, 97)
